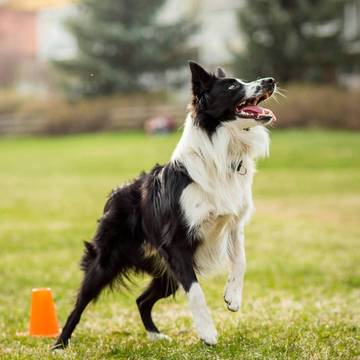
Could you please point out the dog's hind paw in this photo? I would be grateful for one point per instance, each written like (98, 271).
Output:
(59, 345)
(155, 336)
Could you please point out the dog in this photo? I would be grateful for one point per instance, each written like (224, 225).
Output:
(186, 217)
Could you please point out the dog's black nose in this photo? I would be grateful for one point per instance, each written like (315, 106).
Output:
(270, 81)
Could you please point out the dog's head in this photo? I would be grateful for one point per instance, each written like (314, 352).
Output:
(218, 98)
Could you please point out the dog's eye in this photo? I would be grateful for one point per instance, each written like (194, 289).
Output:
(233, 86)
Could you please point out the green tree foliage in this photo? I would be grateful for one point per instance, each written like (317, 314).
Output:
(122, 47)
(293, 39)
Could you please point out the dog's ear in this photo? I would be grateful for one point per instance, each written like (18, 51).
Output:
(220, 72)
(201, 79)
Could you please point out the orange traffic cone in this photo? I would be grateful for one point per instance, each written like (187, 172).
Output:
(43, 320)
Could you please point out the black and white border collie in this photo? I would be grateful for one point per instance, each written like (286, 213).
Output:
(185, 217)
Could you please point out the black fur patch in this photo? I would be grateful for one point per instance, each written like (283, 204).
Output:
(143, 215)
(213, 102)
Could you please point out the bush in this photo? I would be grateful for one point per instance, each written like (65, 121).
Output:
(304, 106)
(321, 106)
(10, 101)
(62, 117)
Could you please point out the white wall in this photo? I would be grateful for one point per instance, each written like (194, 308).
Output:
(54, 41)
(218, 26)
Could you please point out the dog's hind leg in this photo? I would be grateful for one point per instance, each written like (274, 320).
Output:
(95, 279)
(159, 287)
(105, 259)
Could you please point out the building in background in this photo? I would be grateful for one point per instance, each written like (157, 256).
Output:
(32, 32)
(352, 34)
(217, 21)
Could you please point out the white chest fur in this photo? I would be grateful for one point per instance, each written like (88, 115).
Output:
(213, 216)
(219, 198)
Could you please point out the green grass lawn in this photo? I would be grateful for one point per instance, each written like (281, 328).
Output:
(301, 298)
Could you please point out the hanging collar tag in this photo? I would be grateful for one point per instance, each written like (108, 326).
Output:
(239, 168)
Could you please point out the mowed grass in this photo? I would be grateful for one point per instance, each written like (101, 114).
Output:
(301, 298)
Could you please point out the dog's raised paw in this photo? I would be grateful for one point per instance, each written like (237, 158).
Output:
(233, 307)
(232, 301)
(155, 336)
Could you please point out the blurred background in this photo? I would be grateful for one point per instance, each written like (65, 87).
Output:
(83, 84)
(78, 66)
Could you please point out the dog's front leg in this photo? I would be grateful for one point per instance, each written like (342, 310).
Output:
(181, 264)
(234, 288)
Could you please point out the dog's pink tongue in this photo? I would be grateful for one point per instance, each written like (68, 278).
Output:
(253, 109)
(258, 110)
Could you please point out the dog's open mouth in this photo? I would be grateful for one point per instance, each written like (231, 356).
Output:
(249, 109)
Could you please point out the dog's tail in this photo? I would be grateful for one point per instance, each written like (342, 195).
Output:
(89, 256)
(121, 274)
